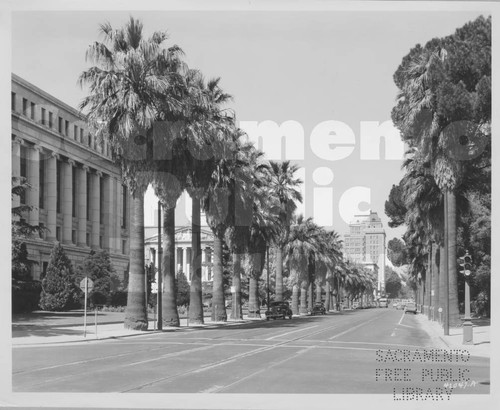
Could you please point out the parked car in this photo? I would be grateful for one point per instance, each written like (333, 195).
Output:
(318, 309)
(279, 310)
(411, 307)
(382, 302)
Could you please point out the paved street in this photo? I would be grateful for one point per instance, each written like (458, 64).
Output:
(361, 351)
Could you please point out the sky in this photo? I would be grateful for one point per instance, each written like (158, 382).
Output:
(309, 67)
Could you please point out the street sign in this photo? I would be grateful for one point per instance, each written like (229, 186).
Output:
(154, 288)
(90, 284)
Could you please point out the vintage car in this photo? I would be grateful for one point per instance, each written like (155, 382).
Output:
(318, 309)
(411, 307)
(279, 310)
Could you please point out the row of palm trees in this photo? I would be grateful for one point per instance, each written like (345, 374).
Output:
(168, 127)
(444, 114)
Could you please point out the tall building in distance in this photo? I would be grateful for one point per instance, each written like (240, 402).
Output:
(76, 191)
(365, 244)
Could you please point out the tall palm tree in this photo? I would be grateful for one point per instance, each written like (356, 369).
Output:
(284, 187)
(129, 85)
(304, 241)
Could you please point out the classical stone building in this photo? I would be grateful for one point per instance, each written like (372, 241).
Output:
(183, 250)
(365, 244)
(77, 191)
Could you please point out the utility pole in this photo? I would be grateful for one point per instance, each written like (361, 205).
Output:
(160, 283)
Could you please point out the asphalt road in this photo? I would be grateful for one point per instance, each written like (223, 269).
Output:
(361, 351)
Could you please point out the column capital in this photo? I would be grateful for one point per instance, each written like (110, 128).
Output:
(38, 148)
(98, 173)
(85, 168)
(18, 140)
(71, 162)
(55, 155)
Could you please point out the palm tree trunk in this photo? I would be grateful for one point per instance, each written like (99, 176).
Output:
(442, 276)
(136, 315)
(319, 292)
(435, 281)
(295, 299)
(310, 296)
(446, 281)
(195, 297)
(253, 296)
(279, 274)
(236, 312)
(327, 296)
(169, 294)
(428, 280)
(218, 302)
(303, 297)
(454, 318)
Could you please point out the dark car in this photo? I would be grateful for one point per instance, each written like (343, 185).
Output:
(411, 307)
(318, 309)
(279, 310)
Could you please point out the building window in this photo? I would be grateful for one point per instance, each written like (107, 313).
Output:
(41, 189)
(81, 135)
(51, 120)
(45, 265)
(87, 239)
(73, 236)
(32, 111)
(75, 133)
(23, 171)
(66, 127)
(58, 233)
(25, 106)
(124, 246)
(60, 125)
(100, 241)
(124, 206)
(58, 186)
(90, 141)
(74, 190)
(43, 116)
(13, 101)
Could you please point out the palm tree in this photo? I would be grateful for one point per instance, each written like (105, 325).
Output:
(304, 241)
(284, 187)
(129, 85)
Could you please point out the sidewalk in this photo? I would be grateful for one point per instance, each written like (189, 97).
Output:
(481, 336)
(69, 328)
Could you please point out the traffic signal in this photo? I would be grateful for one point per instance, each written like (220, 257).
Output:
(462, 264)
(467, 264)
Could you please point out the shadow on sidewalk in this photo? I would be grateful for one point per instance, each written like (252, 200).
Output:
(26, 330)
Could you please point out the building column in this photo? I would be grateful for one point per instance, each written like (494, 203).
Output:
(188, 263)
(176, 264)
(82, 206)
(34, 180)
(95, 210)
(208, 257)
(117, 213)
(184, 261)
(67, 205)
(51, 196)
(204, 267)
(16, 167)
(108, 239)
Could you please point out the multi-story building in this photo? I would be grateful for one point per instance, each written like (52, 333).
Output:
(76, 190)
(365, 244)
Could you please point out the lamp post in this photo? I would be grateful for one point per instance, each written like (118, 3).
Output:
(160, 284)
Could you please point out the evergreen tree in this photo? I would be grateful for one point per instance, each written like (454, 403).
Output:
(183, 289)
(98, 267)
(59, 290)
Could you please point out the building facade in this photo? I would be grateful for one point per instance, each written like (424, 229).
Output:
(365, 244)
(76, 190)
(183, 250)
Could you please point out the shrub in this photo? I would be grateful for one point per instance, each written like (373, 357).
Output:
(25, 296)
